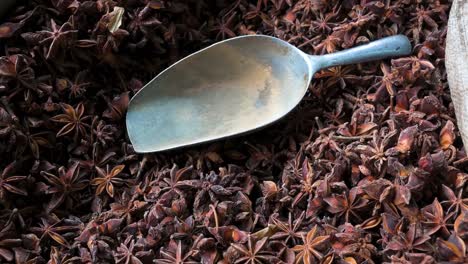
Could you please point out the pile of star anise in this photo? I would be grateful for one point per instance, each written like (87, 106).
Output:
(370, 168)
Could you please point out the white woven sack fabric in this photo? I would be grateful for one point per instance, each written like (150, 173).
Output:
(457, 63)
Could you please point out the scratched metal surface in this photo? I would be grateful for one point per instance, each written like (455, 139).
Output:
(229, 89)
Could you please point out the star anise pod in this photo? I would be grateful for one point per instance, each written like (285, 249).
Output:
(392, 225)
(434, 219)
(410, 258)
(423, 16)
(32, 140)
(173, 183)
(126, 205)
(225, 27)
(97, 159)
(64, 186)
(117, 107)
(337, 76)
(447, 135)
(75, 88)
(310, 250)
(362, 247)
(104, 133)
(127, 253)
(253, 253)
(405, 141)
(290, 231)
(174, 254)
(307, 7)
(328, 45)
(384, 87)
(99, 226)
(8, 242)
(56, 257)
(18, 216)
(210, 188)
(452, 250)
(52, 228)
(106, 180)
(413, 67)
(306, 175)
(460, 225)
(7, 181)
(323, 145)
(57, 37)
(111, 42)
(347, 205)
(63, 5)
(322, 23)
(18, 68)
(261, 156)
(226, 235)
(411, 241)
(207, 250)
(455, 202)
(185, 229)
(73, 119)
(143, 21)
(376, 149)
(361, 124)
(207, 157)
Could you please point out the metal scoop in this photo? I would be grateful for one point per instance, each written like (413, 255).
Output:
(233, 87)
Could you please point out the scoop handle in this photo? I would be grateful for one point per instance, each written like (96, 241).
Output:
(388, 47)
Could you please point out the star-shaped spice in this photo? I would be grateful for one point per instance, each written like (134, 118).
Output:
(305, 253)
(107, 179)
(73, 119)
(253, 253)
(57, 36)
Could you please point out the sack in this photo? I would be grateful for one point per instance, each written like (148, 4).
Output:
(456, 61)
